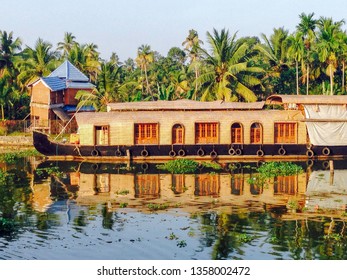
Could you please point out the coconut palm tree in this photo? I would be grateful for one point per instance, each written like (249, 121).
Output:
(36, 62)
(296, 52)
(343, 57)
(145, 56)
(193, 46)
(229, 74)
(9, 49)
(86, 58)
(307, 28)
(67, 44)
(274, 51)
(328, 46)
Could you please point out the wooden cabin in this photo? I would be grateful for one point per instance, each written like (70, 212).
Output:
(53, 101)
(325, 116)
(187, 122)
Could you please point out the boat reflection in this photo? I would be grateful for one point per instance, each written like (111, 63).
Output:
(136, 186)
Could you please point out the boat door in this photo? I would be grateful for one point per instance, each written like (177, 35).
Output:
(101, 135)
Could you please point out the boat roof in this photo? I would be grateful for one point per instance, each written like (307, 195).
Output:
(119, 118)
(183, 105)
(307, 99)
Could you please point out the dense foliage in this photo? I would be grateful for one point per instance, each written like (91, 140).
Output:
(311, 60)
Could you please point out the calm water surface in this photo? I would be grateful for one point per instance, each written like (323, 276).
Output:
(70, 210)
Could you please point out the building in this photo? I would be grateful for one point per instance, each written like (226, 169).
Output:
(53, 101)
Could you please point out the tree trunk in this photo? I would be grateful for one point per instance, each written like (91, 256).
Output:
(2, 112)
(308, 77)
(297, 76)
(331, 81)
(343, 77)
(147, 84)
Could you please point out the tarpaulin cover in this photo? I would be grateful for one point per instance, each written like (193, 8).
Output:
(328, 125)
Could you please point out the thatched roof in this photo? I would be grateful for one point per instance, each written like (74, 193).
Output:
(183, 105)
(307, 99)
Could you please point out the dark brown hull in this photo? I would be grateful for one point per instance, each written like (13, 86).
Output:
(250, 151)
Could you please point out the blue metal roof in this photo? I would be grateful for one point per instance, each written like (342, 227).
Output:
(73, 108)
(79, 85)
(69, 72)
(54, 83)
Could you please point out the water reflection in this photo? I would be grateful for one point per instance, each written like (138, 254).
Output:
(208, 215)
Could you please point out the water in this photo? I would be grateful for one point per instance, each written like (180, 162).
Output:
(71, 210)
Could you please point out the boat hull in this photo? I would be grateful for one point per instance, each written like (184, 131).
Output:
(204, 151)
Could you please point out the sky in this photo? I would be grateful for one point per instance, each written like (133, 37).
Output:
(122, 26)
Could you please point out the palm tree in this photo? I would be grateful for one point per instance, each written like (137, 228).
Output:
(67, 44)
(307, 27)
(229, 74)
(36, 62)
(296, 52)
(343, 57)
(109, 80)
(275, 50)
(193, 45)
(9, 49)
(145, 57)
(86, 58)
(328, 46)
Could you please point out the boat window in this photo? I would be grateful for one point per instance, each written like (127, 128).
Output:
(206, 133)
(146, 133)
(286, 184)
(285, 133)
(147, 186)
(236, 133)
(256, 133)
(177, 134)
(207, 185)
(101, 135)
(237, 181)
(178, 183)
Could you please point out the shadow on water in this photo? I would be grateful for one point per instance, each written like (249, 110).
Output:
(81, 210)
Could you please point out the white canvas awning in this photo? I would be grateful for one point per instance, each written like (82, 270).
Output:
(326, 124)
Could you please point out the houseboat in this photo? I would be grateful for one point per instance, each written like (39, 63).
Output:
(283, 126)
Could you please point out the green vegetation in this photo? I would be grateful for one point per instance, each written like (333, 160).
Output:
(179, 166)
(159, 206)
(310, 60)
(273, 169)
(184, 166)
(12, 157)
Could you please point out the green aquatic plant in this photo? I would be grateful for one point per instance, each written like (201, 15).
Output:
(13, 157)
(123, 205)
(179, 166)
(213, 165)
(274, 169)
(159, 206)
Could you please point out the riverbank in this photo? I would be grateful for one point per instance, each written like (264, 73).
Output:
(16, 141)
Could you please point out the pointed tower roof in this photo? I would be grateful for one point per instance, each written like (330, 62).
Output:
(69, 72)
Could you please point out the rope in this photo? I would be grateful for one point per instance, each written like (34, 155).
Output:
(84, 101)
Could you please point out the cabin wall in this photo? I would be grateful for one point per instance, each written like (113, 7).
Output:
(121, 125)
(70, 94)
(56, 97)
(40, 94)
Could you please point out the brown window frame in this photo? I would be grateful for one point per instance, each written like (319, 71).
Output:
(147, 185)
(256, 135)
(106, 134)
(286, 185)
(236, 133)
(206, 133)
(285, 133)
(177, 134)
(146, 133)
(207, 185)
